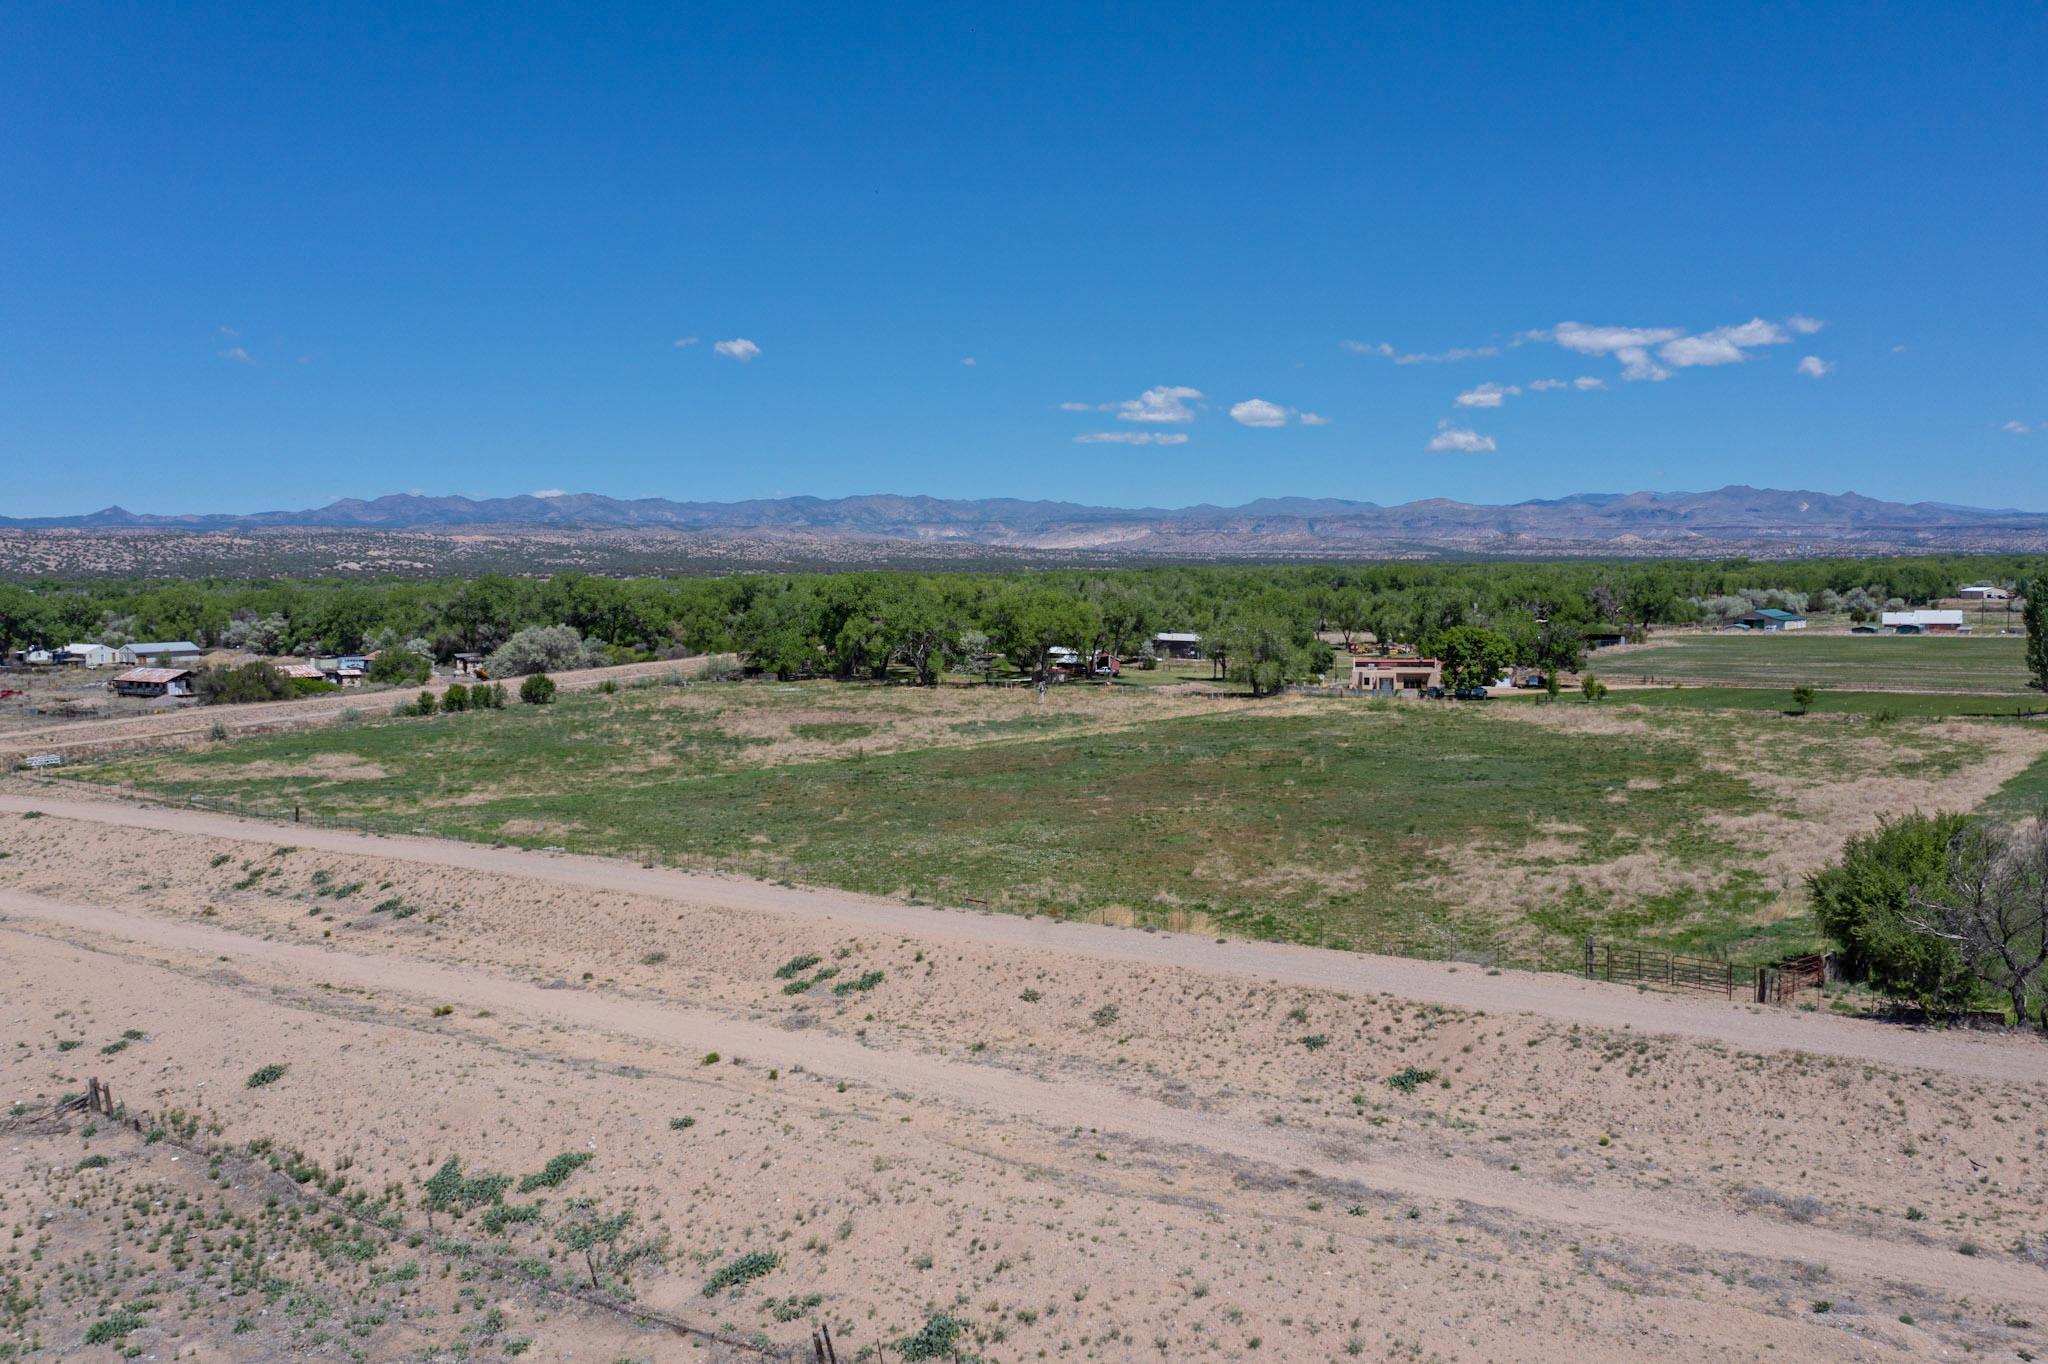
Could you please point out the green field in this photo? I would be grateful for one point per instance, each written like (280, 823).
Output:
(1411, 826)
(1876, 704)
(1981, 665)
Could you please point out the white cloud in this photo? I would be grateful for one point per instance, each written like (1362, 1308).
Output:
(552, 492)
(1898, 350)
(1387, 352)
(1487, 395)
(1161, 404)
(1813, 367)
(739, 348)
(2018, 428)
(685, 342)
(1722, 345)
(1314, 419)
(1131, 438)
(226, 330)
(968, 361)
(1544, 385)
(238, 355)
(1585, 383)
(1460, 440)
(1804, 325)
(1577, 336)
(1258, 412)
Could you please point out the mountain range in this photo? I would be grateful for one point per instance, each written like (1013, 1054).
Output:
(1670, 522)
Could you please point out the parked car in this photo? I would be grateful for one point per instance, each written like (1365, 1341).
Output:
(1433, 693)
(1471, 693)
(1533, 682)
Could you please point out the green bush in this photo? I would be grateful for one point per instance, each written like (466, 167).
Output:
(537, 690)
(1410, 1078)
(242, 683)
(743, 1270)
(400, 668)
(556, 1171)
(266, 1075)
(456, 698)
(1865, 903)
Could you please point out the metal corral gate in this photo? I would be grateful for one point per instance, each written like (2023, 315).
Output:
(1612, 961)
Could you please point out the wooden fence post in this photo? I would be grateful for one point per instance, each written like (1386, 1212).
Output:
(1589, 956)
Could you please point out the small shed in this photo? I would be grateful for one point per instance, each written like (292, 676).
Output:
(88, 655)
(167, 651)
(1771, 619)
(1176, 644)
(152, 682)
(467, 664)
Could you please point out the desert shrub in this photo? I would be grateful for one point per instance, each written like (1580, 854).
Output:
(501, 1215)
(311, 686)
(1105, 1015)
(681, 1124)
(1410, 1078)
(239, 684)
(1865, 903)
(450, 1189)
(537, 690)
(745, 1269)
(861, 984)
(546, 648)
(555, 1171)
(265, 1075)
(797, 965)
(723, 668)
(93, 1163)
(934, 1340)
(114, 1327)
(1315, 1041)
(456, 698)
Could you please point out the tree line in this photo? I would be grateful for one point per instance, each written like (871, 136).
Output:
(1260, 622)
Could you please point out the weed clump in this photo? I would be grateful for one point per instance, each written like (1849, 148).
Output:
(1410, 1078)
(265, 1075)
(744, 1270)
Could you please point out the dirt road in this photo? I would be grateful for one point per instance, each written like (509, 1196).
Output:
(1744, 1025)
(995, 1090)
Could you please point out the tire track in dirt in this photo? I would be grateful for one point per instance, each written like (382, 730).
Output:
(1597, 1004)
(993, 1091)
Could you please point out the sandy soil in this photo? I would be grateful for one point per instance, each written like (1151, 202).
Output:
(1083, 1142)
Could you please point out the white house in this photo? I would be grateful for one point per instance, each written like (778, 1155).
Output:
(177, 650)
(88, 655)
(1925, 622)
(1177, 644)
(1982, 592)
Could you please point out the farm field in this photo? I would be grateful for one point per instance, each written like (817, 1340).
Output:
(1982, 665)
(1413, 828)
(1871, 704)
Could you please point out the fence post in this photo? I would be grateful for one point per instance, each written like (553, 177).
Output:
(1589, 956)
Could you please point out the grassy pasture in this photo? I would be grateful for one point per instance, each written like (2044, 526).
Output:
(1371, 824)
(1899, 705)
(1980, 665)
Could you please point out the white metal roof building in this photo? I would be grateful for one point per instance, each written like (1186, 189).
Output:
(1925, 622)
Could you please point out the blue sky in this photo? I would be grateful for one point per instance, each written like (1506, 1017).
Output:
(263, 256)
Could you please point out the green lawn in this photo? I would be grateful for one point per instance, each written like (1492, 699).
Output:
(1898, 705)
(1338, 825)
(1978, 664)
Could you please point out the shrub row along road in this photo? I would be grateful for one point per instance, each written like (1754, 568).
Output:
(263, 966)
(1597, 1004)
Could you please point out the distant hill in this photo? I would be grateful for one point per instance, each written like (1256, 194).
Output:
(1632, 523)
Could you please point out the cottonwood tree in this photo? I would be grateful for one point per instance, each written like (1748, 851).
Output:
(1993, 905)
(2035, 618)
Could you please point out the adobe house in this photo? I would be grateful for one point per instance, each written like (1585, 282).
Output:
(1388, 675)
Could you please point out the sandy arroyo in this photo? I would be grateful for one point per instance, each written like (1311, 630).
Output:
(1079, 1142)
